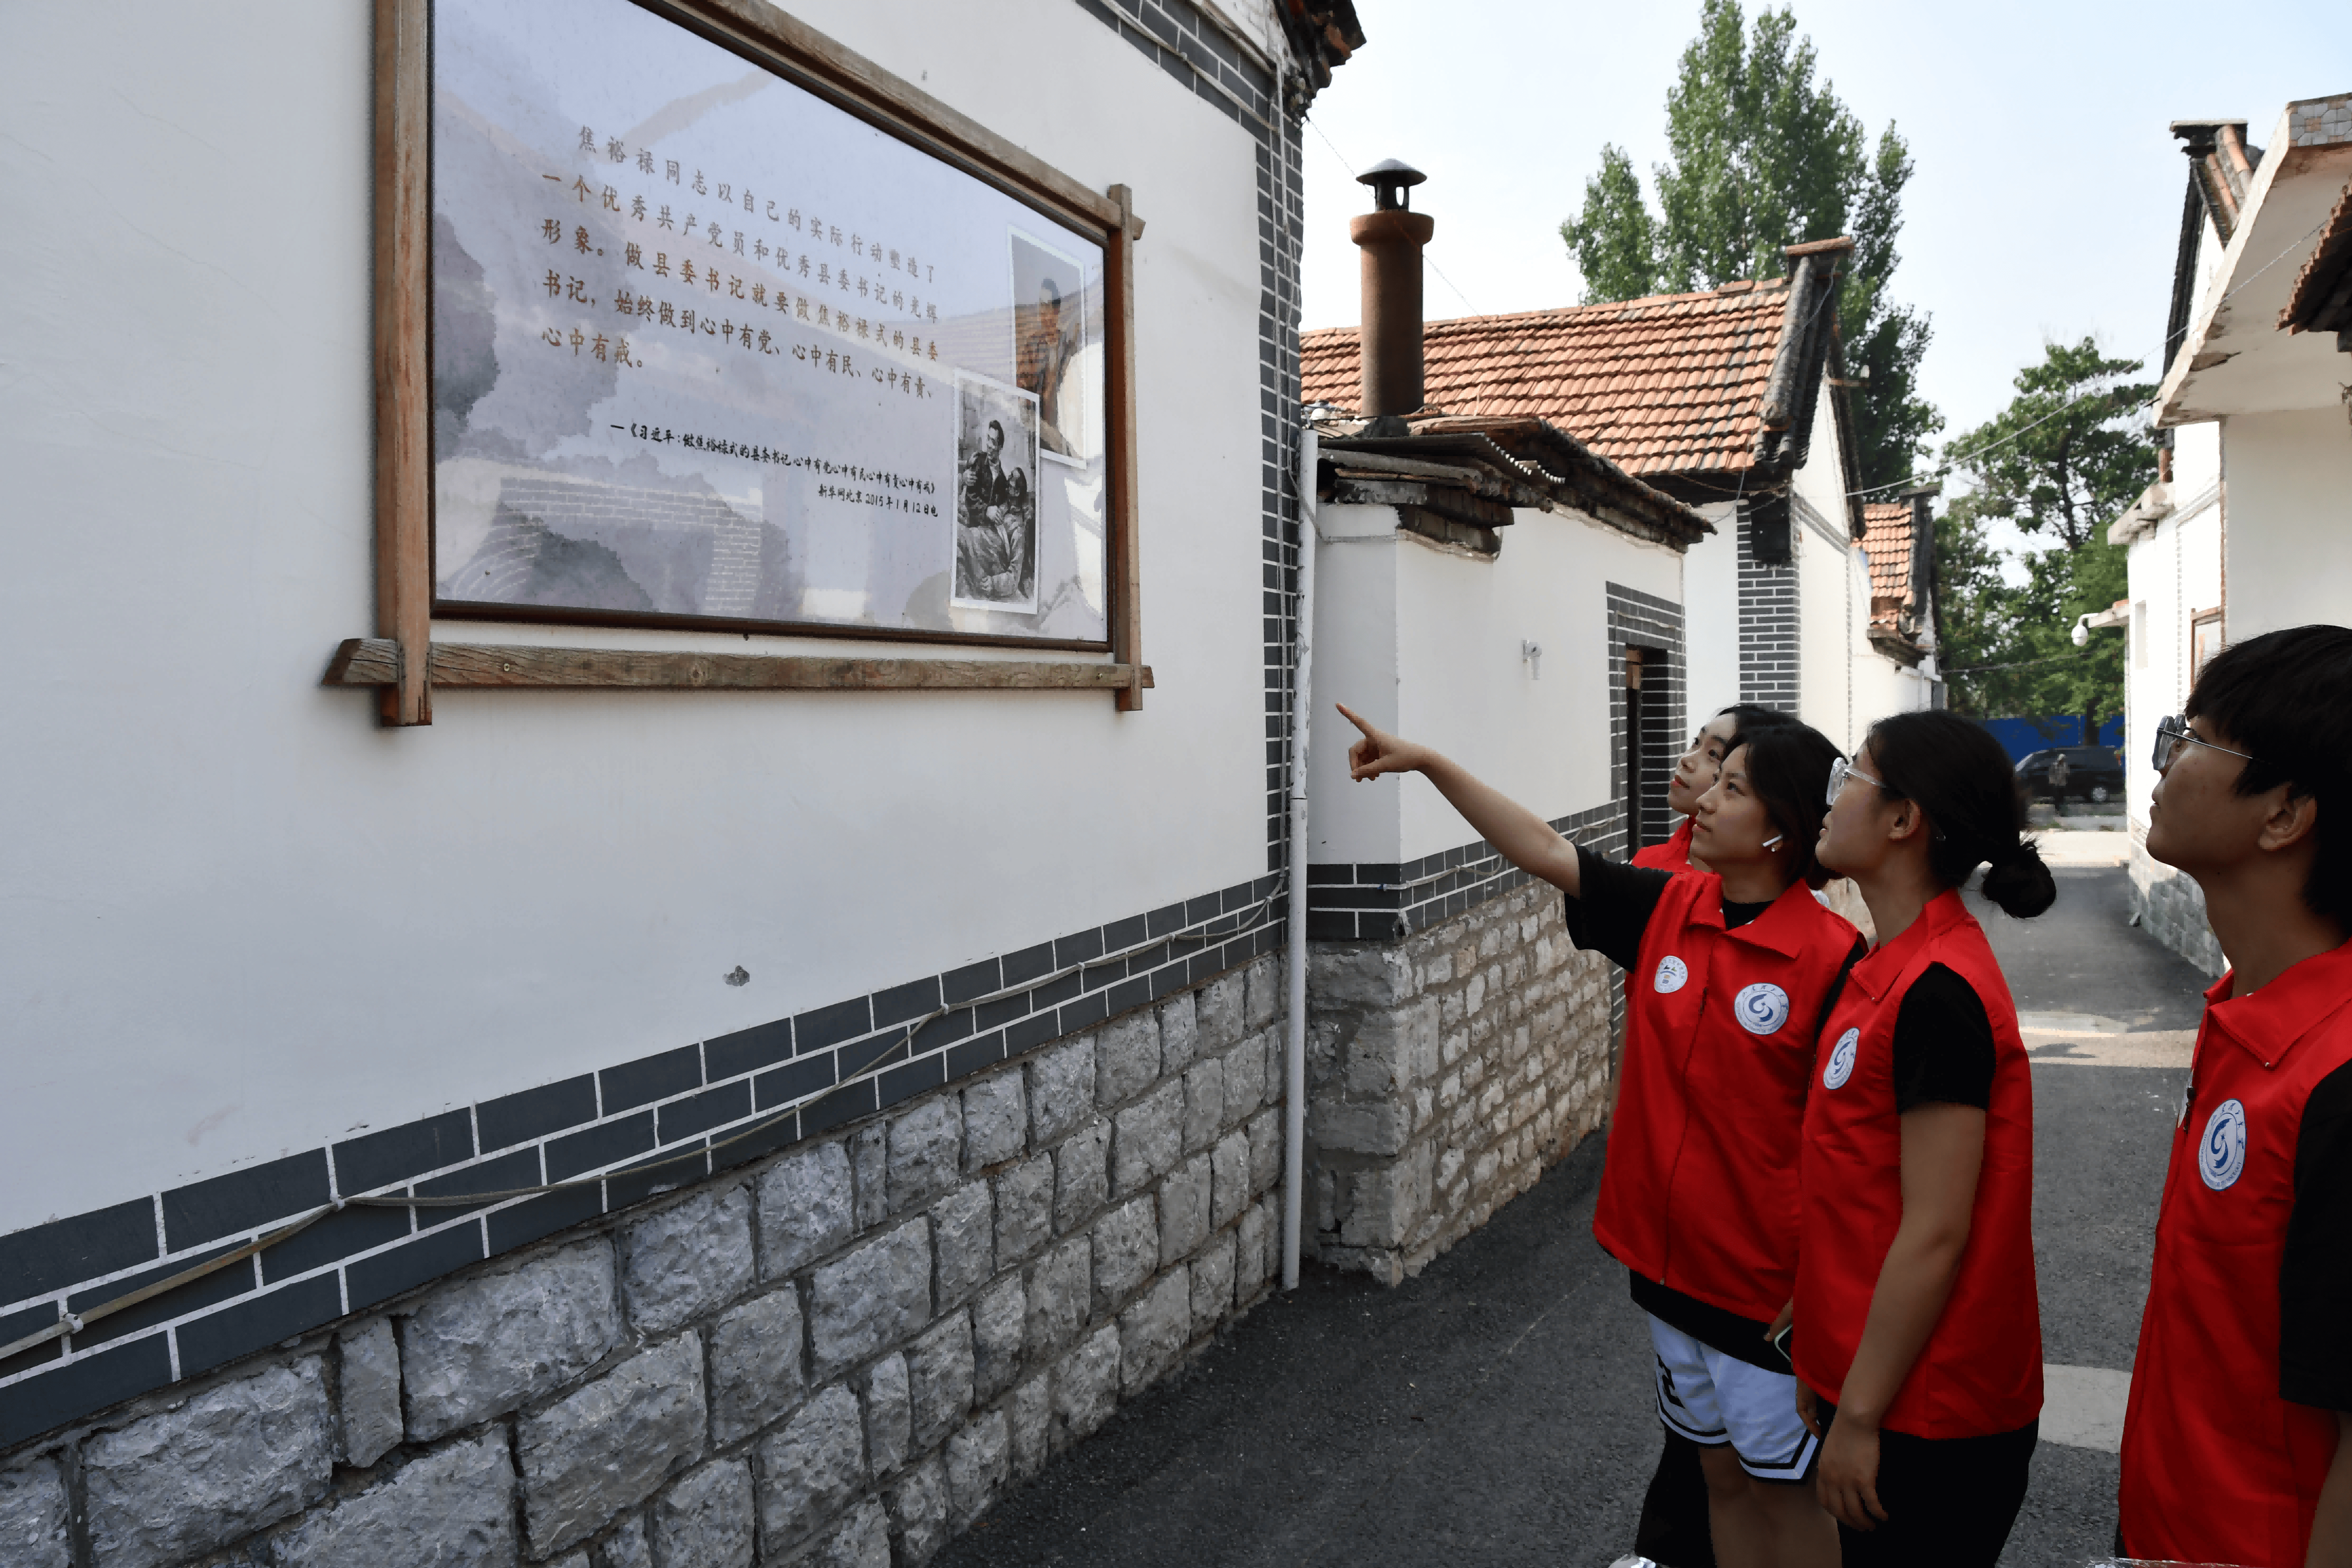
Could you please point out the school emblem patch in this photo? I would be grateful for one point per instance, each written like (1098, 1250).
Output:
(1761, 1008)
(1672, 972)
(2221, 1153)
(1840, 1067)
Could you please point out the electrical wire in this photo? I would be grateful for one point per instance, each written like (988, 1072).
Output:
(1348, 165)
(1955, 459)
(893, 1039)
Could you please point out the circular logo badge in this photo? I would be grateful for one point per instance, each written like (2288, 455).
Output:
(1672, 974)
(1840, 1062)
(2221, 1155)
(1761, 1008)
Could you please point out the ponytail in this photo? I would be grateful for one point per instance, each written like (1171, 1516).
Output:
(1958, 774)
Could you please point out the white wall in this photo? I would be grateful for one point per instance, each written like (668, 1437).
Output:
(1827, 614)
(1711, 617)
(241, 919)
(1826, 617)
(2289, 536)
(2175, 569)
(1425, 641)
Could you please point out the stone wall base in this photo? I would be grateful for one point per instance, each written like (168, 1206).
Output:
(1444, 1071)
(839, 1354)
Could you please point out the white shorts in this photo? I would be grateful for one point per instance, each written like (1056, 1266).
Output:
(1714, 1399)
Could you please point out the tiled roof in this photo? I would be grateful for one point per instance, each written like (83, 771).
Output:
(1888, 540)
(1668, 385)
(2321, 299)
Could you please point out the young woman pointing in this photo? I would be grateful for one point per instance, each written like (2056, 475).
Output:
(1728, 972)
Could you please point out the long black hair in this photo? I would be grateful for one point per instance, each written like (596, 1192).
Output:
(1789, 769)
(1958, 774)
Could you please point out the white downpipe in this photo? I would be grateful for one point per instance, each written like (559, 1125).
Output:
(1302, 714)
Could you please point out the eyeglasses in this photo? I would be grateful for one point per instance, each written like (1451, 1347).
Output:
(2173, 733)
(1840, 771)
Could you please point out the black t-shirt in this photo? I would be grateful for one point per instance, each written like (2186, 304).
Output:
(1617, 902)
(1610, 919)
(1943, 1043)
(2315, 1275)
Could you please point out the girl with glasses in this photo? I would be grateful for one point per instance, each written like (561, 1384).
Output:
(1917, 1337)
(1729, 970)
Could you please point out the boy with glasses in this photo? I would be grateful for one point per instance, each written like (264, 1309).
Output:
(2234, 1444)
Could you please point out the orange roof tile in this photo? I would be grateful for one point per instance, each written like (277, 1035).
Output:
(1671, 384)
(1886, 539)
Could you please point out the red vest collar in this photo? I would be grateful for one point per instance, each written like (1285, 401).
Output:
(2268, 1024)
(1886, 962)
(1782, 927)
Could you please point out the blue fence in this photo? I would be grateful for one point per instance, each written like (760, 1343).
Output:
(2022, 737)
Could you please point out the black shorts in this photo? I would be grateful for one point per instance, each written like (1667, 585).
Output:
(1949, 1502)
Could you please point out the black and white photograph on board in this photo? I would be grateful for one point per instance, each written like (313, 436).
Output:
(1049, 339)
(996, 497)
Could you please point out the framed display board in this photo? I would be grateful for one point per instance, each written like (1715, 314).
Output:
(689, 317)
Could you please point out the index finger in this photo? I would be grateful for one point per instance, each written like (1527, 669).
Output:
(1352, 719)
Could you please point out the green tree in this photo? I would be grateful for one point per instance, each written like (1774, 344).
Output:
(2062, 462)
(1764, 156)
(1616, 240)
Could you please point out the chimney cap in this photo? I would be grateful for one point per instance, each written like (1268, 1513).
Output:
(1389, 179)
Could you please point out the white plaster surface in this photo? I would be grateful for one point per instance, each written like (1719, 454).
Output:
(240, 918)
(1427, 642)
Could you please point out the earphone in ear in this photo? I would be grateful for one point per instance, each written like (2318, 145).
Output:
(1774, 840)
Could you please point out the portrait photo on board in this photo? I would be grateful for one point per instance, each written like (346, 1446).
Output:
(1049, 326)
(996, 497)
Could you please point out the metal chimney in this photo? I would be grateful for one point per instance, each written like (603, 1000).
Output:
(1392, 236)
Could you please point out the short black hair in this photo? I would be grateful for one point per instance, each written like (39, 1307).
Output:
(998, 428)
(1047, 286)
(1789, 769)
(1954, 772)
(2286, 697)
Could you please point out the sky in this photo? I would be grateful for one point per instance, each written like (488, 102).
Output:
(2046, 201)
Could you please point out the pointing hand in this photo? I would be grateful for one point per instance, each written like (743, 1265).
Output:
(1378, 751)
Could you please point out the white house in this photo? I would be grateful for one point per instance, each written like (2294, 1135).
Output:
(1731, 400)
(608, 902)
(2244, 530)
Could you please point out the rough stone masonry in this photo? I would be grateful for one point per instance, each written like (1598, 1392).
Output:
(838, 1356)
(1444, 1070)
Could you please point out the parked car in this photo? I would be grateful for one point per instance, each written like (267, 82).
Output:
(2094, 774)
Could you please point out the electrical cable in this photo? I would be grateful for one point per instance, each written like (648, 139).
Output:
(1433, 266)
(1953, 460)
(897, 1035)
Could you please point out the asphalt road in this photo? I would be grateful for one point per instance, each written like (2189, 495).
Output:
(1497, 1409)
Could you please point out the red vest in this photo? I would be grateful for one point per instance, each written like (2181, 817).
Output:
(2216, 1466)
(1980, 1370)
(1673, 854)
(1699, 1192)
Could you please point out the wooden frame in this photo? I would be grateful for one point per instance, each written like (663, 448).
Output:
(403, 660)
